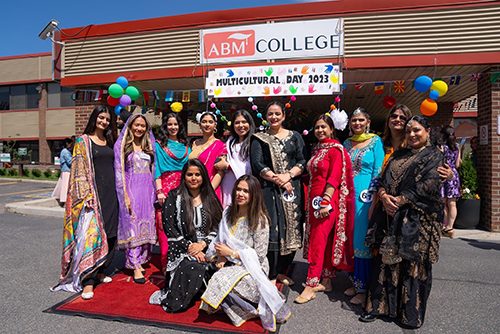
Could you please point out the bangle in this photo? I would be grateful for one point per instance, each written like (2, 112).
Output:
(327, 194)
(233, 254)
(290, 174)
(159, 191)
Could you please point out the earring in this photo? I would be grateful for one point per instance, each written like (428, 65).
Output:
(350, 132)
(428, 141)
(215, 130)
(367, 129)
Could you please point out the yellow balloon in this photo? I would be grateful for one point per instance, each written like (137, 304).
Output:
(428, 107)
(176, 106)
(440, 86)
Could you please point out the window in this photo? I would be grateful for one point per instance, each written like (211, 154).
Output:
(4, 98)
(59, 96)
(32, 96)
(67, 97)
(18, 97)
(54, 95)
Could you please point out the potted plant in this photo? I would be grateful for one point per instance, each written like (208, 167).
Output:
(469, 205)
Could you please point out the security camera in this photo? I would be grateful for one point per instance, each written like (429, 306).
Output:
(48, 30)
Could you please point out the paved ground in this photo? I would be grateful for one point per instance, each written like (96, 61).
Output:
(12, 190)
(465, 296)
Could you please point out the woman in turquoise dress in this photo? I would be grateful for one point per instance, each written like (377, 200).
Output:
(367, 155)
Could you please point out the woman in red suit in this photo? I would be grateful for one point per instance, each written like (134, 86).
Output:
(330, 215)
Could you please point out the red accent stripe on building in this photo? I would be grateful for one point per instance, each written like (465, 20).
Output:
(465, 114)
(30, 55)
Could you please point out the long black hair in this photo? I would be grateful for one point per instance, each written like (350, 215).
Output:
(110, 133)
(449, 138)
(245, 145)
(163, 133)
(211, 204)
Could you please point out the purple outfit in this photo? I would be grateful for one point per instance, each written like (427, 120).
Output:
(451, 188)
(135, 175)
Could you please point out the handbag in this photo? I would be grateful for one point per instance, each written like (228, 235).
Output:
(389, 248)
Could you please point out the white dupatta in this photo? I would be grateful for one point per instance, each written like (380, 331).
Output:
(268, 292)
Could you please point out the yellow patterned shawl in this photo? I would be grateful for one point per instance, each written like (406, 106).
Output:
(84, 248)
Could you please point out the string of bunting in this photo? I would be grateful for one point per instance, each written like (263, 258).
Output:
(399, 86)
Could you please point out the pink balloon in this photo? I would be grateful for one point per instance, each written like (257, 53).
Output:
(125, 100)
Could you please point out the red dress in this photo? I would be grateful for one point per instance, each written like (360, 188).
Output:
(329, 240)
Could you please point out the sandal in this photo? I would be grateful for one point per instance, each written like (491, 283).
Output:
(303, 300)
(449, 232)
(285, 280)
(351, 292)
(358, 299)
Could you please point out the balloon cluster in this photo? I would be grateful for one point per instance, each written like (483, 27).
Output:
(436, 88)
(255, 108)
(121, 94)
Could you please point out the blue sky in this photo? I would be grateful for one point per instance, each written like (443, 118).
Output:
(22, 20)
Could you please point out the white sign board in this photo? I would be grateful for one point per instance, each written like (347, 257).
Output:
(285, 40)
(5, 157)
(278, 80)
(483, 135)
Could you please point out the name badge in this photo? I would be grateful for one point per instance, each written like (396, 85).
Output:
(144, 156)
(288, 197)
(316, 202)
(366, 196)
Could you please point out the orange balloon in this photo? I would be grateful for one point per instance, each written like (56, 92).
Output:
(288, 106)
(428, 107)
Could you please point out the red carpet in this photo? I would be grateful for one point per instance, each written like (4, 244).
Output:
(123, 300)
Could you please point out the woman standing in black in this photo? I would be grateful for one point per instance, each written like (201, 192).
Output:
(277, 159)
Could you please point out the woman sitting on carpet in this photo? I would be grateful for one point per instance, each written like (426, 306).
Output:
(191, 215)
(241, 287)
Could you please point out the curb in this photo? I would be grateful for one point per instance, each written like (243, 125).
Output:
(54, 182)
(36, 208)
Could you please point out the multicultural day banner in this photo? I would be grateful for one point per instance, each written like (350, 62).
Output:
(279, 80)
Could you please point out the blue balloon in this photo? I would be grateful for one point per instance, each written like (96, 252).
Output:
(118, 110)
(122, 81)
(434, 95)
(422, 83)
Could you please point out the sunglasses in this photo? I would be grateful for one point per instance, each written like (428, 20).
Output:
(401, 117)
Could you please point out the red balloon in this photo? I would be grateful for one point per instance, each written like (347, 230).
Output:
(113, 101)
(389, 102)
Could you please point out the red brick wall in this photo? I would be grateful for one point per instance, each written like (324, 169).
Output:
(44, 149)
(489, 155)
(82, 113)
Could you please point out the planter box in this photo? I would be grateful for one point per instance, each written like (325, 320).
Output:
(468, 213)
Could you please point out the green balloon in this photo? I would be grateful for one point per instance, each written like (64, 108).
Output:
(115, 90)
(132, 92)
